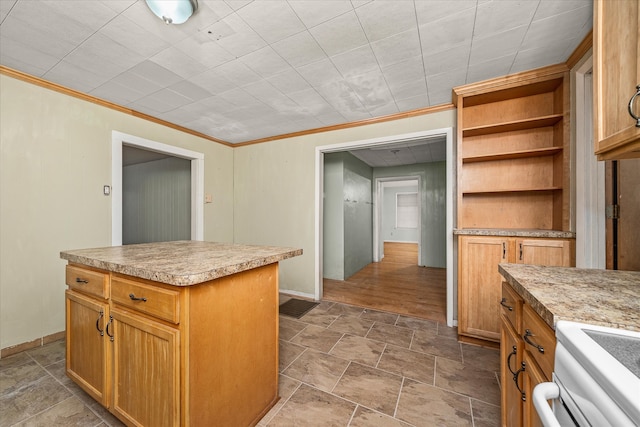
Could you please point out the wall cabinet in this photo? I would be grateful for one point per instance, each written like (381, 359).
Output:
(161, 355)
(527, 354)
(616, 71)
(479, 282)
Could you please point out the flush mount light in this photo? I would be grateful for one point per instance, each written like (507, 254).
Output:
(173, 11)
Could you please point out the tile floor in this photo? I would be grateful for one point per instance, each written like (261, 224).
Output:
(340, 365)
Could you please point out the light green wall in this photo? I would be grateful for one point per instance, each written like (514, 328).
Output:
(333, 218)
(55, 158)
(275, 190)
(388, 230)
(433, 194)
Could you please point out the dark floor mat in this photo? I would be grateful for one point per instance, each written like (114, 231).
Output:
(296, 307)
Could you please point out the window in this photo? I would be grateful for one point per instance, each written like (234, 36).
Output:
(407, 210)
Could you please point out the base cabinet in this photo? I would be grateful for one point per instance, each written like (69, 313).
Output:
(479, 282)
(159, 355)
(527, 351)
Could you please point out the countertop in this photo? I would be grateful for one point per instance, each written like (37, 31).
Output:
(180, 263)
(598, 297)
(514, 232)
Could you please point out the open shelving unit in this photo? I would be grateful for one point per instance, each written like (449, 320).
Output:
(513, 151)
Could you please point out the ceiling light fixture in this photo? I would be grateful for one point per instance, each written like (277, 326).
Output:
(173, 11)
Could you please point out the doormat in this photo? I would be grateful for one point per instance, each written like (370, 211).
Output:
(296, 307)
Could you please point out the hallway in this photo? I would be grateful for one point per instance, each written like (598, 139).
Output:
(396, 287)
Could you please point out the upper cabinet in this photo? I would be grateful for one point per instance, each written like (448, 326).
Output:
(616, 71)
(513, 151)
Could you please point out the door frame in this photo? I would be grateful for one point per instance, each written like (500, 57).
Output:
(118, 139)
(377, 213)
(319, 191)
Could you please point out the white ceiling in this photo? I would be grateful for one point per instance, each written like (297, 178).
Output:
(244, 70)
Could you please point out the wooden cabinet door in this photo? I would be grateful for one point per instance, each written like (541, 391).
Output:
(510, 362)
(543, 252)
(532, 377)
(616, 70)
(146, 371)
(480, 286)
(87, 355)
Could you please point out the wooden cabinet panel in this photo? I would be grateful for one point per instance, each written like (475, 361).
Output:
(87, 358)
(544, 252)
(616, 70)
(539, 340)
(532, 377)
(511, 357)
(87, 281)
(511, 306)
(479, 286)
(149, 299)
(146, 371)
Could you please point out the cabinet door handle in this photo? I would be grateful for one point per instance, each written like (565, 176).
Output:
(80, 280)
(633, 98)
(523, 395)
(504, 250)
(135, 298)
(520, 251)
(100, 316)
(502, 303)
(107, 328)
(513, 353)
(527, 334)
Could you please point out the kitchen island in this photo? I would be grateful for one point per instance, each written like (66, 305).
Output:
(176, 333)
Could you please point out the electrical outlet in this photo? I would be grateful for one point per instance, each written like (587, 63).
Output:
(106, 190)
(208, 198)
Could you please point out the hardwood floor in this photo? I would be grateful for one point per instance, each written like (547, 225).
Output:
(394, 286)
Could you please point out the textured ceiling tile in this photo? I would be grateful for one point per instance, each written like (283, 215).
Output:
(141, 15)
(213, 81)
(281, 23)
(397, 48)
(288, 81)
(203, 48)
(118, 92)
(191, 91)
(447, 33)
(118, 6)
(265, 62)
(320, 73)
(155, 73)
(238, 97)
(496, 16)
(550, 8)
(137, 83)
(357, 61)
(556, 28)
(447, 80)
(410, 89)
(454, 58)
(238, 73)
(413, 103)
(409, 70)
(75, 77)
(5, 7)
(433, 10)
(180, 63)
(315, 12)
(127, 33)
(535, 58)
(26, 56)
(384, 18)
(300, 49)
(372, 89)
(438, 97)
(493, 68)
(496, 45)
(35, 37)
(340, 34)
(235, 36)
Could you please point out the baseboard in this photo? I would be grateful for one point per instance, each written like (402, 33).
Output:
(298, 294)
(39, 342)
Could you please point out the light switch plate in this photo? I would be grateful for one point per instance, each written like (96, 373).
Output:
(106, 190)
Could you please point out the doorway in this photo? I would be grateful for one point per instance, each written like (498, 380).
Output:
(121, 140)
(447, 197)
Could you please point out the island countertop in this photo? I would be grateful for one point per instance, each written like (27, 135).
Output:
(599, 297)
(180, 263)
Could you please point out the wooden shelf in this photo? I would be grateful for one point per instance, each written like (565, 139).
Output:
(537, 122)
(512, 190)
(538, 152)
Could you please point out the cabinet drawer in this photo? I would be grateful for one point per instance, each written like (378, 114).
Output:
(539, 340)
(153, 300)
(87, 281)
(511, 306)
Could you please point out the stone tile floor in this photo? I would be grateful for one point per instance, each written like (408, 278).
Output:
(340, 365)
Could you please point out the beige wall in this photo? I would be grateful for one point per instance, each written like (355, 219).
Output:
(55, 159)
(275, 190)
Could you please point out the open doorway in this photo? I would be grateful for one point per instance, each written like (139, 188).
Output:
(389, 145)
(174, 158)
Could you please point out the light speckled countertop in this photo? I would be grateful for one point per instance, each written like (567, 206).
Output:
(598, 297)
(514, 232)
(181, 263)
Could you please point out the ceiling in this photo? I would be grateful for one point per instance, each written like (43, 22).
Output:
(240, 71)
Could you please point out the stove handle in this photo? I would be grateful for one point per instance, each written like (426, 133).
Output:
(541, 393)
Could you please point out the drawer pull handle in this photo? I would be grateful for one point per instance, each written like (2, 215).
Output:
(633, 98)
(80, 280)
(513, 353)
(502, 303)
(135, 298)
(523, 395)
(527, 334)
(107, 328)
(98, 323)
